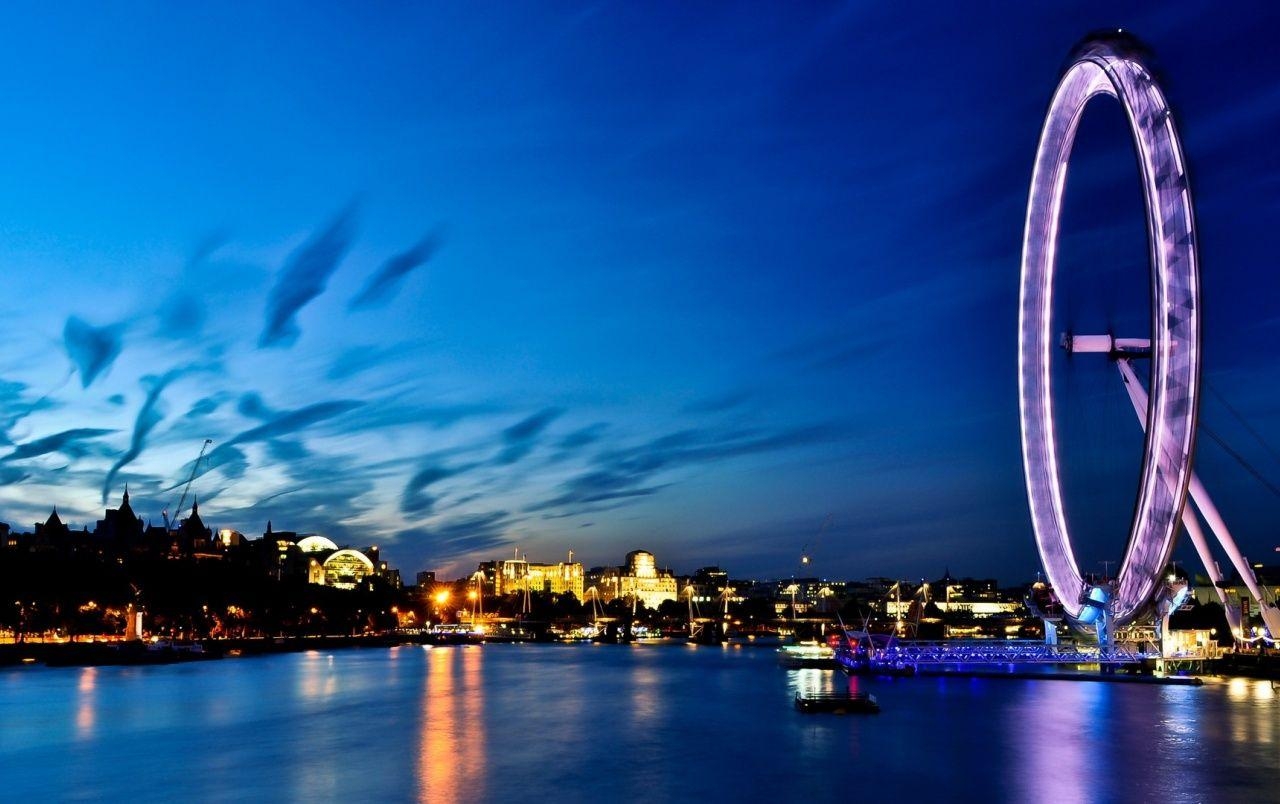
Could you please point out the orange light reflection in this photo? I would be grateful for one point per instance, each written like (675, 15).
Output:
(86, 709)
(451, 757)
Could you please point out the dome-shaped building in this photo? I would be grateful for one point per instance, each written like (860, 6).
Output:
(345, 569)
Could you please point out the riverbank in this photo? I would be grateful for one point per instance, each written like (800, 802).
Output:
(96, 653)
(88, 653)
(1248, 665)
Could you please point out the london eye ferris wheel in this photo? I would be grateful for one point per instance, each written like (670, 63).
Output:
(1112, 66)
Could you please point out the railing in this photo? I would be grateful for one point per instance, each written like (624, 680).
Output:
(916, 653)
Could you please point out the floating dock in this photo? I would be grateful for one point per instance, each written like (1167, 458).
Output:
(840, 703)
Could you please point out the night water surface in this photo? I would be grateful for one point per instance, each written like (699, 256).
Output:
(614, 723)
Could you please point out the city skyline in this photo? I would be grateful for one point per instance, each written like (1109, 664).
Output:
(461, 293)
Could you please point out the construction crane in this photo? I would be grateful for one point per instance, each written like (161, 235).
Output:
(183, 499)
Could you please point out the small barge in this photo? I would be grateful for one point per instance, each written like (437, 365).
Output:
(840, 703)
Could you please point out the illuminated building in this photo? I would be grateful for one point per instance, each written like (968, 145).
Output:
(345, 569)
(274, 550)
(316, 544)
(709, 585)
(319, 560)
(514, 575)
(976, 598)
(315, 571)
(639, 579)
(228, 538)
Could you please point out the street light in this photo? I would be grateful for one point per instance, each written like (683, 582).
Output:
(441, 598)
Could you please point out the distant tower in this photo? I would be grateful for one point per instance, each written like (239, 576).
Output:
(121, 527)
(52, 532)
(193, 535)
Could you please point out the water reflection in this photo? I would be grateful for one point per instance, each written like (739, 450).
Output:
(1056, 731)
(451, 755)
(817, 681)
(317, 681)
(645, 697)
(86, 706)
(1253, 721)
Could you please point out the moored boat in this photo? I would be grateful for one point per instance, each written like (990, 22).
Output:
(840, 703)
(807, 654)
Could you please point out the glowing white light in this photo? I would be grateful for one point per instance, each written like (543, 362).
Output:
(1105, 68)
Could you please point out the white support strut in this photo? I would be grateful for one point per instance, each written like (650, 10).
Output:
(1270, 613)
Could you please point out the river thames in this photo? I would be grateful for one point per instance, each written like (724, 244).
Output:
(584, 723)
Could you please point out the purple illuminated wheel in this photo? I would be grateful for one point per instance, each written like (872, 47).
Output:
(1109, 67)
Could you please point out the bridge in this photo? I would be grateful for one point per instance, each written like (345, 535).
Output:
(918, 653)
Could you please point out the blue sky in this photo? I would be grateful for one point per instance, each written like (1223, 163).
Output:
(456, 279)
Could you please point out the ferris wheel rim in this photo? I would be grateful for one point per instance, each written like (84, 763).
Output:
(1106, 66)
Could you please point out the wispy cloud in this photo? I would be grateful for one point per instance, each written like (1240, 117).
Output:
(206, 406)
(295, 420)
(304, 277)
(631, 473)
(458, 536)
(326, 493)
(397, 413)
(15, 405)
(415, 500)
(383, 284)
(233, 462)
(582, 437)
(149, 415)
(719, 402)
(68, 442)
(92, 349)
(251, 406)
(183, 316)
(360, 359)
(521, 437)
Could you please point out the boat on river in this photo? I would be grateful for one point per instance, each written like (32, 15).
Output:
(807, 654)
(840, 703)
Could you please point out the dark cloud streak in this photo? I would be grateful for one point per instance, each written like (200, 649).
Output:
(458, 536)
(304, 277)
(415, 500)
(149, 415)
(380, 287)
(92, 349)
(629, 474)
(67, 442)
(521, 437)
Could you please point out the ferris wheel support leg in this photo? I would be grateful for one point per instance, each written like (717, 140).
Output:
(1270, 613)
(1106, 637)
(1050, 632)
(1192, 523)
